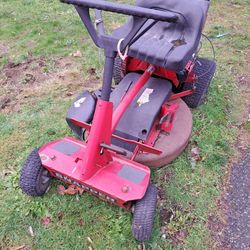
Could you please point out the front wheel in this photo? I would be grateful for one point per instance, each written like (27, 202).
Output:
(34, 179)
(144, 213)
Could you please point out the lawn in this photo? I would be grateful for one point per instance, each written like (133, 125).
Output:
(46, 58)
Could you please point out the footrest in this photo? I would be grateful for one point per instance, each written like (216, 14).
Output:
(120, 181)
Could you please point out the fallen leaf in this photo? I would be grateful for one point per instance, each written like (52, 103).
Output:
(80, 190)
(195, 154)
(81, 222)
(31, 232)
(61, 189)
(71, 190)
(60, 215)
(18, 247)
(46, 221)
(89, 240)
(69, 94)
(76, 54)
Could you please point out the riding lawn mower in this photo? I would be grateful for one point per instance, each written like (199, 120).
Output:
(141, 121)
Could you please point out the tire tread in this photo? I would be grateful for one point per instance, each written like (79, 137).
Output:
(144, 215)
(204, 68)
(30, 173)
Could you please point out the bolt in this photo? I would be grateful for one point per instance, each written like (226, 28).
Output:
(53, 157)
(43, 158)
(125, 189)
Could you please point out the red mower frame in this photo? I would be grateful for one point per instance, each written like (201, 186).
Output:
(94, 163)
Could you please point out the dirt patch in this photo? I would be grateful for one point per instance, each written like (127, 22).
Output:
(3, 50)
(37, 77)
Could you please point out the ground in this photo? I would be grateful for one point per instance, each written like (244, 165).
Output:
(46, 58)
(236, 232)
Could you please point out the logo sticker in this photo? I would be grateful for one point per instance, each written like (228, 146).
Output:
(77, 104)
(144, 98)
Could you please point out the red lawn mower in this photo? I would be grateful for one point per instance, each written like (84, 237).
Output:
(143, 120)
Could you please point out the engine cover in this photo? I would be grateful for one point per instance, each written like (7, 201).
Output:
(138, 119)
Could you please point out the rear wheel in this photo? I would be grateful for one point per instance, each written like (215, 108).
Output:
(144, 213)
(34, 179)
(204, 69)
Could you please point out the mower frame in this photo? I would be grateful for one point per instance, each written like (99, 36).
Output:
(94, 163)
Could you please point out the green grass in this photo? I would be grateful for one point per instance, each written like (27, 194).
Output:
(53, 30)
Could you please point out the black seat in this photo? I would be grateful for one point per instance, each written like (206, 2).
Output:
(169, 45)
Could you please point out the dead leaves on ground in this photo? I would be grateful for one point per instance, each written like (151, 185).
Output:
(31, 232)
(90, 247)
(195, 156)
(46, 221)
(76, 54)
(21, 247)
(71, 190)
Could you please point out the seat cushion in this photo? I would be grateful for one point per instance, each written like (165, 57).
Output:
(169, 45)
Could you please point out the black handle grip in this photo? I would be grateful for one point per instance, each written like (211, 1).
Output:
(126, 9)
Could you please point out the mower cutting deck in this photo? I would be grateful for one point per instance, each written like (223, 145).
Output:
(142, 120)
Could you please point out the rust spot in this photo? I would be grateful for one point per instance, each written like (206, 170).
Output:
(178, 42)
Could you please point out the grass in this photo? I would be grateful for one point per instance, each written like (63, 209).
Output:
(48, 29)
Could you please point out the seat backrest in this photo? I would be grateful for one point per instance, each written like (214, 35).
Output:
(191, 12)
(191, 9)
(169, 45)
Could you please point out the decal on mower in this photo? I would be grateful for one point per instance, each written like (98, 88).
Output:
(77, 104)
(144, 98)
(86, 188)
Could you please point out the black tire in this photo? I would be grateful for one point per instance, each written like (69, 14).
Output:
(34, 179)
(204, 69)
(119, 70)
(144, 213)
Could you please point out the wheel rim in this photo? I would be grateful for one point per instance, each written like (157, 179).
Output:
(43, 180)
(45, 177)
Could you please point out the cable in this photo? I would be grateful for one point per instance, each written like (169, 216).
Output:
(212, 46)
(214, 56)
(122, 56)
(199, 49)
